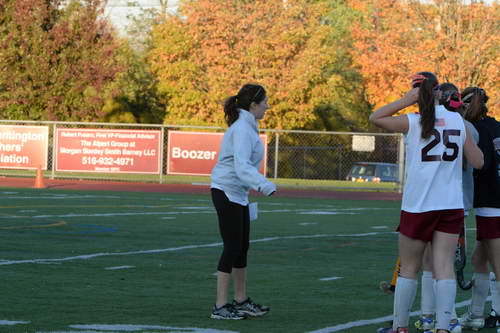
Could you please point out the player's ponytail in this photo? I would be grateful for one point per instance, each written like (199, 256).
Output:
(248, 94)
(231, 110)
(426, 97)
(475, 99)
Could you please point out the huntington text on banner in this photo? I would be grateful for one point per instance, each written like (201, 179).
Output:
(113, 151)
(23, 147)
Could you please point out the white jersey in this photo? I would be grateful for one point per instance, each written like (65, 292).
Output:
(434, 165)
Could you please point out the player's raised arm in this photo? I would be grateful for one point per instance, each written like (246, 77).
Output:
(384, 116)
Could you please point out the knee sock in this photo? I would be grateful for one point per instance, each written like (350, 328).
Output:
(494, 289)
(479, 294)
(495, 298)
(404, 296)
(454, 313)
(446, 291)
(427, 301)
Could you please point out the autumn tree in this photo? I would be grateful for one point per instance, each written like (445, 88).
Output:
(58, 60)
(213, 47)
(457, 40)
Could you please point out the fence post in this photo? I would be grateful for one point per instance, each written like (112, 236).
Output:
(401, 162)
(162, 149)
(54, 150)
(276, 147)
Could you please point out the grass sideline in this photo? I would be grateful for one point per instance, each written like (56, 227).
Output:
(315, 184)
(164, 249)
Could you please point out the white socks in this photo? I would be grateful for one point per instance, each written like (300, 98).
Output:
(403, 301)
(495, 298)
(479, 293)
(446, 290)
(427, 302)
(495, 293)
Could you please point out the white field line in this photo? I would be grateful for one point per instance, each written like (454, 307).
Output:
(58, 196)
(331, 278)
(73, 332)
(198, 210)
(180, 248)
(135, 328)
(138, 328)
(9, 323)
(106, 214)
(365, 322)
(118, 267)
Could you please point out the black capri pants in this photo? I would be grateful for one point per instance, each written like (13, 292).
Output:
(234, 227)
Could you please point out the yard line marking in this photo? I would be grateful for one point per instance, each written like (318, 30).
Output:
(19, 227)
(327, 213)
(380, 227)
(118, 267)
(180, 248)
(73, 332)
(308, 223)
(331, 278)
(193, 207)
(136, 328)
(9, 323)
(365, 322)
(108, 214)
(61, 196)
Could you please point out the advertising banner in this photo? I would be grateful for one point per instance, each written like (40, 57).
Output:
(108, 150)
(195, 153)
(23, 147)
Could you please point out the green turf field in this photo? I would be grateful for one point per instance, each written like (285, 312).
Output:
(144, 262)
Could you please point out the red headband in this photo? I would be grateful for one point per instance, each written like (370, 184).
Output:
(417, 78)
(457, 104)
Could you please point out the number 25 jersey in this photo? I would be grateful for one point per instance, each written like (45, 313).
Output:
(434, 165)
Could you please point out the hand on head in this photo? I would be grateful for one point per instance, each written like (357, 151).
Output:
(412, 95)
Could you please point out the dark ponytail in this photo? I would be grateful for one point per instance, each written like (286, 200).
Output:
(248, 93)
(426, 103)
(231, 110)
(475, 100)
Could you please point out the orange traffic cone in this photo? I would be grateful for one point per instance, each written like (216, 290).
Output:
(39, 178)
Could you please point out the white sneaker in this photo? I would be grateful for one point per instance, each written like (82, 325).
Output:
(455, 327)
(469, 322)
(425, 323)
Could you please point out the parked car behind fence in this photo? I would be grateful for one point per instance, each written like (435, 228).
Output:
(373, 172)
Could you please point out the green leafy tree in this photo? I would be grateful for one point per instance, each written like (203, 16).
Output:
(58, 62)
(138, 99)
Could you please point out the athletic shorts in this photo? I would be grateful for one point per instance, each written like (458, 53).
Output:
(488, 227)
(422, 225)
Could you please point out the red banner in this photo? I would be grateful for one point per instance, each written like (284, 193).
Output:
(106, 150)
(196, 153)
(23, 147)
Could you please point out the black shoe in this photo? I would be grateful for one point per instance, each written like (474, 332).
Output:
(250, 308)
(226, 312)
(493, 320)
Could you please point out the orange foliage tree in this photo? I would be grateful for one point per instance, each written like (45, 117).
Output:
(213, 47)
(457, 40)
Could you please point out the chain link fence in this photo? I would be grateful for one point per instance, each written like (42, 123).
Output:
(314, 155)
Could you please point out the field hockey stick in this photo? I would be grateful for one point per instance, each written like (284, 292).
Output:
(387, 287)
(461, 260)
